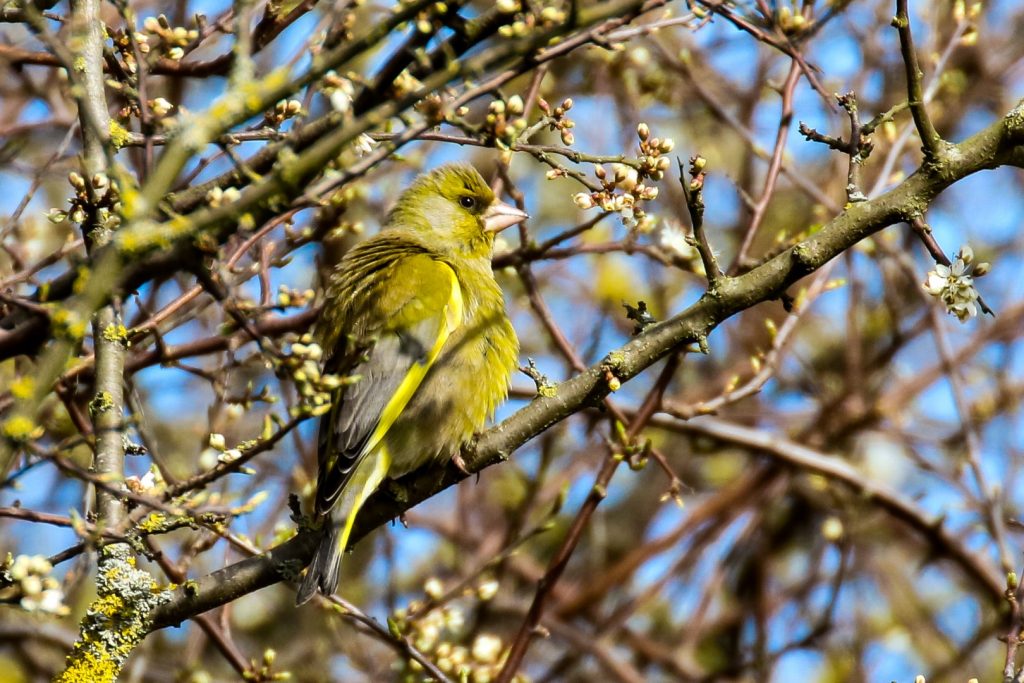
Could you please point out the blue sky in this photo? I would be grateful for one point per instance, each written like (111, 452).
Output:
(985, 208)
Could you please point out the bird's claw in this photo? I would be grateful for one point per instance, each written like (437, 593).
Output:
(460, 464)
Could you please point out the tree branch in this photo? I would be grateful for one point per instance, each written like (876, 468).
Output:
(931, 143)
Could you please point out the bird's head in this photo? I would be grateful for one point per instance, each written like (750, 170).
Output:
(456, 208)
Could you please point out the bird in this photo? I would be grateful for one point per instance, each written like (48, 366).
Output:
(415, 320)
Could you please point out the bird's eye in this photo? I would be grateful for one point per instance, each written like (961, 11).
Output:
(467, 202)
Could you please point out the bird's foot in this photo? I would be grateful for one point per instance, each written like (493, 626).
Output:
(460, 464)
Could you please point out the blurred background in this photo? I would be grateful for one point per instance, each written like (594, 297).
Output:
(829, 494)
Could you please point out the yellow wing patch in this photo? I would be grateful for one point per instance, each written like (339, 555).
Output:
(453, 312)
(381, 465)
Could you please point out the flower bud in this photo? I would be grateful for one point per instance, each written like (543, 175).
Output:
(515, 105)
(486, 648)
(160, 106)
(487, 590)
(583, 200)
(550, 15)
(643, 131)
(433, 588)
(625, 176)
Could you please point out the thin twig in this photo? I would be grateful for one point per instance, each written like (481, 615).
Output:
(931, 143)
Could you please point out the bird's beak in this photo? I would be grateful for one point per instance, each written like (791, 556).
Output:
(500, 215)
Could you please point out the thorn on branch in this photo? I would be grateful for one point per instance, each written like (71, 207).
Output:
(788, 302)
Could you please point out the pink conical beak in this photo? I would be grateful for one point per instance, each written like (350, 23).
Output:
(500, 215)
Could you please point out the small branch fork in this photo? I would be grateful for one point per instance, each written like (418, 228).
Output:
(858, 147)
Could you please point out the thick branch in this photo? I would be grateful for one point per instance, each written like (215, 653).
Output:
(108, 635)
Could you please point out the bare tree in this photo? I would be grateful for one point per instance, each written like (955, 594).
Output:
(823, 489)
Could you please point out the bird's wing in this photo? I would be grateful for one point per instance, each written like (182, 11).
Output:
(414, 317)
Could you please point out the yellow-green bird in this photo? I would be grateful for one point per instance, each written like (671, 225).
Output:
(416, 316)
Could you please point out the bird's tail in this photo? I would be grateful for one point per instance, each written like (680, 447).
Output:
(323, 570)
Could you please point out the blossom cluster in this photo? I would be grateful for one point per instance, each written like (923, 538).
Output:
(523, 21)
(219, 196)
(624, 188)
(505, 121)
(98, 192)
(126, 43)
(436, 630)
(40, 592)
(282, 111)
(953, 285)
(558, 120)
(172, 39)
(302, 363)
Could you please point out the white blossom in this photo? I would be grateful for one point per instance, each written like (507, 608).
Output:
(954, 285)
(364, 144)
(40, 591)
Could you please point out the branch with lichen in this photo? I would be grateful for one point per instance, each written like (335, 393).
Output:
(117, 620)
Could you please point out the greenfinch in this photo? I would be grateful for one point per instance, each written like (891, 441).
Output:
(416, 320)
